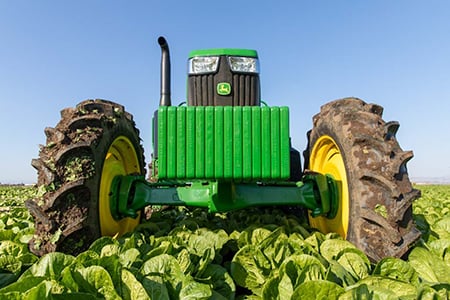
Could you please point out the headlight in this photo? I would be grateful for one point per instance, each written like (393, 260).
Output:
(244, 64)
(203, 64)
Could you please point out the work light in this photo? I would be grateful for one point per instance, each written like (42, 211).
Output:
(203, 64)
(243, 64)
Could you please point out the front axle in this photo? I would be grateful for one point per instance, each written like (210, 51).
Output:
(316, 192)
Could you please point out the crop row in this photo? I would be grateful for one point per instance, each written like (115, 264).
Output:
(256, 253)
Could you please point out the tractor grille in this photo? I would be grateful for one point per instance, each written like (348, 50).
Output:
(201, 90)
(245, 91)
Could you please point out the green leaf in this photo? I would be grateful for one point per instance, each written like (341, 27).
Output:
(438, 292)
(429, 266)
(443, 290)
(299, 245)
(250, 268)
(193, 290)
(253, 236)
(219, 279)
(422, 225)
(338, 274)
(184, 260)
(383, 285)
(6, 279)
(41, 291)
(23, 285)
(355, 262)
(294, 271)
(7, 235)
(28, 259)
(98, 244)
(26, 235)
(164, 247)
(278, 288)
(205, 260)
(13, 258)
(155, 287)
(318, 289)
(442, 249)
(87, 258)
(330, 249)
(49, 266)
(203, 240)
(315, 240)
(442, 227)
(67, 278)
(292, 226)
(132, 288)
(95, 280)
(166, 267)
(13, 248)
(301, 268)
(11, 296)
(135, 240)
(163, 265)
(110, 250)
(363, 291)
(275, 247)
(128, 257)
(112, 265)
(10, 264)
(397, 269)
(74, 296)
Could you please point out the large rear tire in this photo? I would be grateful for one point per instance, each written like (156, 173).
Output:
(90, 145)
(350, 141)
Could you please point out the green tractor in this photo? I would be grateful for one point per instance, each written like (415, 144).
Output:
(223, 150)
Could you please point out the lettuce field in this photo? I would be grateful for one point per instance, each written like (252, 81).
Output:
(249, 254)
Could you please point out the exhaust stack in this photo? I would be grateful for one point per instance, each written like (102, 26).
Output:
(165, 72)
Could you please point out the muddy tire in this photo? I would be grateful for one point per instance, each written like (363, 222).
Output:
(350, 140)
(91, 144)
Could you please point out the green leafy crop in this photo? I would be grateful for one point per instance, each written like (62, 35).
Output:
(256, 253)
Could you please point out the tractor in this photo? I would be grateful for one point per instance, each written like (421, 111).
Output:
(223, 149)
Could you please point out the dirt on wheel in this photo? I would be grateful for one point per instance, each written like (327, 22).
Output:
(380, 195)
(69, 171)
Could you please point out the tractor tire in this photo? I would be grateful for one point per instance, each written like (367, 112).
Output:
(350, 141)
(91, 144)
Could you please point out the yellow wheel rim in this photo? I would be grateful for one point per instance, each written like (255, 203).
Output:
(326, 158)
(121, 159)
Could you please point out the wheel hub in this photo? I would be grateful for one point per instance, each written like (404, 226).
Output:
(326, 158)
(121, 159)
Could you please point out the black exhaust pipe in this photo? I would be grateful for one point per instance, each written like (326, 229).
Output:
(165, 72)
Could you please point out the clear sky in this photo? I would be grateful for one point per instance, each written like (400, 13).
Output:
(54, 54)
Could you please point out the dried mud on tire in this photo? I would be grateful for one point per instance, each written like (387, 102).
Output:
(380, 193)
(69, 168)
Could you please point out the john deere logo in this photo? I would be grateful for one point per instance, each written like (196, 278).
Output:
(223, 88)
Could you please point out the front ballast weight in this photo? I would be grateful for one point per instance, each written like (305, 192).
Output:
(223, 158)
(316, 192)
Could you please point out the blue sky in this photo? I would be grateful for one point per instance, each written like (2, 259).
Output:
(55, 54)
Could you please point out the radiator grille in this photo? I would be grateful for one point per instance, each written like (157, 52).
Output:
(245, 89)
